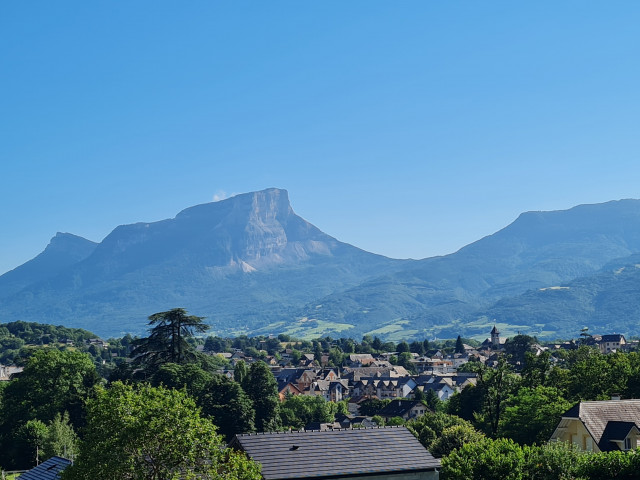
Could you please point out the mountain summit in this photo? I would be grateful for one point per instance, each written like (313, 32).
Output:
(239, 261)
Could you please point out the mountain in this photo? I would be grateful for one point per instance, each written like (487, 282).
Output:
(63, 251)
(604, 302)
(245, 263)
(446, 296)
(252, 266)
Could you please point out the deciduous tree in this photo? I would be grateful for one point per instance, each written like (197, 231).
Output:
(152, 433)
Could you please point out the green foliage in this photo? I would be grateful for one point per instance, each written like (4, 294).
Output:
(531, 415)
(191, 377)
(228, 406)
(459, 345)
(299, 410)
(430, 426)
(61, 439)
(517, 347)
(372, 406)
(34, 433)
(454, 437)
(486, 459)
(404, 360)
(52, 382)
(146, 432)
(167, 340)
(554, 461)
(615, 465)
(395, 422)
(495, 385)
(431, 399)
(222, 400)
(262, 388)
(402, 347)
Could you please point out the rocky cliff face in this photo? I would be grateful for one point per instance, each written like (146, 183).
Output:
(246, 257)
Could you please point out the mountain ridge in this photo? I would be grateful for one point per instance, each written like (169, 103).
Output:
(251, 265)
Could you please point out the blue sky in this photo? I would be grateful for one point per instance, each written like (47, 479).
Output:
(405, 128)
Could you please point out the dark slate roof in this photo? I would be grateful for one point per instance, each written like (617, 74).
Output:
(398, 408)
(612, 338)
(337, 453)
(615, 431)
(49, 470)
(596, 415)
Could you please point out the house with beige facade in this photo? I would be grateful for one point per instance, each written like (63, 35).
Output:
(601, 426)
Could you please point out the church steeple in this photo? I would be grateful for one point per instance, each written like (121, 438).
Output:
(495, 337)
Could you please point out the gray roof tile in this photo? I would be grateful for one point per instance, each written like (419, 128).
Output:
(314, 454)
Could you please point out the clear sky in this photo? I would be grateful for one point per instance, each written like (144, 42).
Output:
(405, 128)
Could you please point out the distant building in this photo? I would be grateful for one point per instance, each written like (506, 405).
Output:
(495, 342)
(611, 343)
(406, 409)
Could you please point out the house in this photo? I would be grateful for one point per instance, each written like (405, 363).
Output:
(360, 359)
(7, 371)
(611, 343)
(406, 409)
(601, 426)
(359, 454)
(286, 389)
(49, 470)
(442, 389)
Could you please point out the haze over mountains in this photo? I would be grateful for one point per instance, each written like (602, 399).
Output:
(251, 265)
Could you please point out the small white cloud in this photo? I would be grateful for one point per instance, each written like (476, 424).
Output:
(220, 195)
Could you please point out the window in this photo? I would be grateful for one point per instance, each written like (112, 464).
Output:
(627, 443)
(588, 444)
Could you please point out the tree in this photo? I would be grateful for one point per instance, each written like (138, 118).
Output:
(144, 432)
(190, 377)
(459, 345)
(417, 347)
(167, 340)
(52, 382)
(486, 460)
(531, 415)
(430, 426)
(495, 385)
(240, 372)
(588, 375)
(262, 388)
(536, 369)
(61, 439)
(372, 406)
(454, 437)
(405, 360)
(228, 406)
(431, 399)
(402, 347)
(34, 433)
(516, 348)
(299, 410)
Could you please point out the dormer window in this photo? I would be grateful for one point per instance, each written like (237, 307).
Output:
(627, 443)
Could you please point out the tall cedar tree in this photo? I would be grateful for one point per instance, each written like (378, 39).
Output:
(167, 341)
